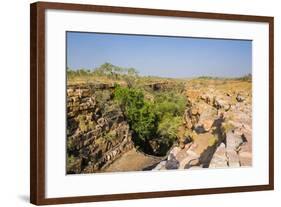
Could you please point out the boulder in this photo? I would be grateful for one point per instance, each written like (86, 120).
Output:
(233, 158)
(172, 163)
(174, 152)
(207, 98)
(191, 159)
(219, 159)
(190, 118)
(233, 141)
(160, 166)
(222, 102)
(207, 116)
(240, 98)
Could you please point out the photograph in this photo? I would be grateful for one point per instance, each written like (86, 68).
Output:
(138, 102)
(173, 102)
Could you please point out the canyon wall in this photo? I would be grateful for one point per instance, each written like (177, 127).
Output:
(97, 133)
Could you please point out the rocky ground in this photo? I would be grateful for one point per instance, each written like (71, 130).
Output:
(216, 130)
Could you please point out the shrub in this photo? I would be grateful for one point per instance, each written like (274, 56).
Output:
(110, 136)
(138, 112)
(227, 127)
(168, 127)
(143, 121)
(170, 103)
(212, 140)
(129, 97)
(158, 119)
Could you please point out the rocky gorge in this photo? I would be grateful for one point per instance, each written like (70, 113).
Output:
(215, 129)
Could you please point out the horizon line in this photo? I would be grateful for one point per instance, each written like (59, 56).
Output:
(157, 76)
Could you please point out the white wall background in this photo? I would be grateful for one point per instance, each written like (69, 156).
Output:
(14, 102)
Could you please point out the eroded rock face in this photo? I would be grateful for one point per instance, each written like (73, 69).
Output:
(97, 133)
(206, 118)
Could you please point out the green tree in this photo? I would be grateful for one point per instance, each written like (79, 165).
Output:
(131, 77)
(139, 113)
(107, 69)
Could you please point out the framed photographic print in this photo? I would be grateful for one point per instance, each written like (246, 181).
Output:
(131, 103)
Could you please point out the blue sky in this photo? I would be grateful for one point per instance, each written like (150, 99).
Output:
(176, 57)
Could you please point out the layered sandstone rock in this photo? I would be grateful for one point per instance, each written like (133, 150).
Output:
(97, 133)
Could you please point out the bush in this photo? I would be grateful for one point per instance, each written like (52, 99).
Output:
(139, 113)
(129, 97)
(143, 121)
(156, 120)
(170, 103)
(168, 127)
(213, 140)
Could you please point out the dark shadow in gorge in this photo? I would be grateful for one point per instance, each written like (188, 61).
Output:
(207, 155)
(154, 147)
